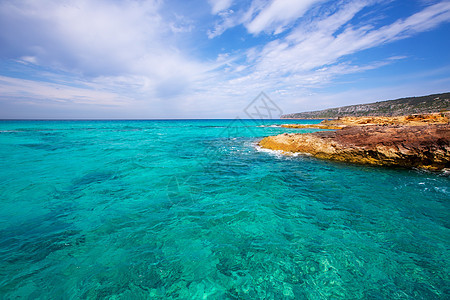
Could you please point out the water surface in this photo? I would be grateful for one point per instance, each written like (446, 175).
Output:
(192, 209)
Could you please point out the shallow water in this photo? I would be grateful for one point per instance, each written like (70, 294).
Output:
(192, 209)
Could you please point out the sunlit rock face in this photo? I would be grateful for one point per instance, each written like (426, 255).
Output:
(386, 145)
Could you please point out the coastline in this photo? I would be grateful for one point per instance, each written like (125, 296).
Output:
(420, 141)
(314, 126)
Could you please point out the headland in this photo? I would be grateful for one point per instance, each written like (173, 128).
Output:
(418, 141)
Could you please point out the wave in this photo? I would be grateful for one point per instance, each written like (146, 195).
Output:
(279, 153)
(273, 126)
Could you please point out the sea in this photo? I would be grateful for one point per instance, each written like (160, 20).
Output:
(194, 209)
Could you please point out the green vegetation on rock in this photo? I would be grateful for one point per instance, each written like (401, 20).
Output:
(400, 107)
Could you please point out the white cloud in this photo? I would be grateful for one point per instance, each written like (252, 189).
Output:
(219, 5)
(322, 44)
(229, 19)
(424, 20)
(314, 54)
(40, 90)
(93, 37)
(128, 53)
(27, 60)
(279, 13)
(259, 16)
(99, 38)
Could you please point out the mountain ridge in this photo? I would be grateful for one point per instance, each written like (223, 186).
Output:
(399, 107)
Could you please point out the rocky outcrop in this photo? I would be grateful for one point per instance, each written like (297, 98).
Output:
(387, 145)
(314, 126)
(409, 120)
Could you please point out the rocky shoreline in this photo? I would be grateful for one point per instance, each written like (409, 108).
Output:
(315, 126)
(387, 144)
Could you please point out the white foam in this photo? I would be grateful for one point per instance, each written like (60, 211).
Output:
(279, 153)
(445, 172)
(273, 126)
(443, 190)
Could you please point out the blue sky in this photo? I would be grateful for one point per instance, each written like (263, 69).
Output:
(211, 58)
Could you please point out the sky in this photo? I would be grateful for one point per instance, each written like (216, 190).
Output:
(136, 59)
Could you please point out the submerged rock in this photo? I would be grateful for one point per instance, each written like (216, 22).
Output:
(386, 145)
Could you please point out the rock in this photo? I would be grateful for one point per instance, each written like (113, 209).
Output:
(317, 126)
(387, 145)
(409, 120)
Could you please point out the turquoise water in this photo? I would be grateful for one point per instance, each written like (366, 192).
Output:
(193, 210)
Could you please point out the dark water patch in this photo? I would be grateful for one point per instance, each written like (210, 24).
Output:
(92, 178)
(46, 147)
(37, 238)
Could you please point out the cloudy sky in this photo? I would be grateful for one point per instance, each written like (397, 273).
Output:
(211, 58)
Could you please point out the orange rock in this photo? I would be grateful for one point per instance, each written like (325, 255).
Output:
(317, 126)
(406, 146)
(412, 120)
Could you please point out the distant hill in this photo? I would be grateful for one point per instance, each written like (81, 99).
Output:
(400, 107)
